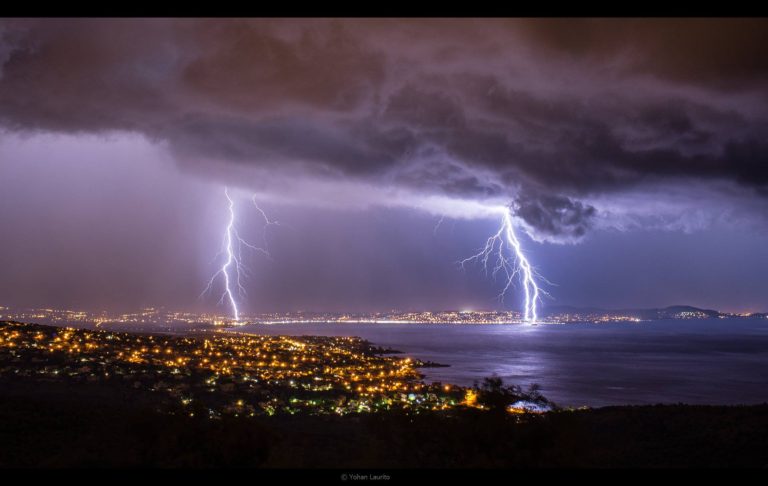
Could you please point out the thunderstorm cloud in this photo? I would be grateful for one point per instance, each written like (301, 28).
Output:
(554, 218)
(567, 121)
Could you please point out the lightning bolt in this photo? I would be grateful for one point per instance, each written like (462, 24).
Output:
(267, 224)
(440, 221)
(511, 265)
(232, 270)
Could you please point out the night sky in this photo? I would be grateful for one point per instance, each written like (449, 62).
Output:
(633, 153)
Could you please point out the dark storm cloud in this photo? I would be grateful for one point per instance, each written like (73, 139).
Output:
(722, 52)
(548, 113)
(555, 218)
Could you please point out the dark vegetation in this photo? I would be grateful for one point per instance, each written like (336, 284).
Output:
(496, 397)
(59, 425)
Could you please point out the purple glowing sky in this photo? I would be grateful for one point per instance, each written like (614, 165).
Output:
(634, 153)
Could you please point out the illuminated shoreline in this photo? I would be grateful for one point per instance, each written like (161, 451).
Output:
(161, 320)
(227, 373)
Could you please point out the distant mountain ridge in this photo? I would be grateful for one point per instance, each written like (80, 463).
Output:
(671, 312)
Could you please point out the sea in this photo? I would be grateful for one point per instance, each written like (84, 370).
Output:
(697, 361)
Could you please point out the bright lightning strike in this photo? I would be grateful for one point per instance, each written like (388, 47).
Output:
(232, 270)
(511, 265)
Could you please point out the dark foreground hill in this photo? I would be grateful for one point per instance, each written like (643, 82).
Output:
(93, 425)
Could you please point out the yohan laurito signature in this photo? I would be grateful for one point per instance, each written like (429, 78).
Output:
(365, 477)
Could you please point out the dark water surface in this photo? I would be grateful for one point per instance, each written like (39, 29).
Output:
(708, 361)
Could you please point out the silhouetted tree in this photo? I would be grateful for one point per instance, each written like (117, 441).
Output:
(497, 397)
